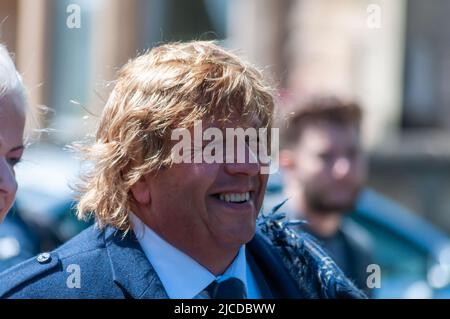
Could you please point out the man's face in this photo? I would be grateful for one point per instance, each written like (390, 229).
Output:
(329, 166)
(188, 202)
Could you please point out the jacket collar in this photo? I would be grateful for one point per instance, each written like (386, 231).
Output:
(130, 267)
(136, 276)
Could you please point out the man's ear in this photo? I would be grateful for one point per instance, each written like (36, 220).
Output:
(141, 191)
(287, 159)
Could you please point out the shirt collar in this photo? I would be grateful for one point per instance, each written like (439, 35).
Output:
(182, 276)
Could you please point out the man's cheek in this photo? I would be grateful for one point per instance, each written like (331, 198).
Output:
(264, 179)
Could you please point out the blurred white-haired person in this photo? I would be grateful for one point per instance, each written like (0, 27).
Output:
(13, 106)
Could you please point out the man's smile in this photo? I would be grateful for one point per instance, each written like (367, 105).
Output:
(237, 201)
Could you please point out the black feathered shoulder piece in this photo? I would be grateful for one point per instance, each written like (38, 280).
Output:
(316, 274)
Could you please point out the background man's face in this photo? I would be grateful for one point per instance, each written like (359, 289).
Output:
(187, 206)
(330, 166)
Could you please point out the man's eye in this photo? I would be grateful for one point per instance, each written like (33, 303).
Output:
(353, 154)
(13, 161)
(250, 141)
(326, 157)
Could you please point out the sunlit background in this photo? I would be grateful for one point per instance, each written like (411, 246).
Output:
(391, 56)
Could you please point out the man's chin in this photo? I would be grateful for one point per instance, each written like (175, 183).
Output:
(239, 236)
(3, 213)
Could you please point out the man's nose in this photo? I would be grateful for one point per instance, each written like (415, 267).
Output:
(245, 165)
(341, 168)
(8, 184)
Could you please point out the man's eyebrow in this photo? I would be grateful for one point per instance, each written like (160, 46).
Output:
(20, 147)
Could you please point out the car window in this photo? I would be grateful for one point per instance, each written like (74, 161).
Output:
(401, 262)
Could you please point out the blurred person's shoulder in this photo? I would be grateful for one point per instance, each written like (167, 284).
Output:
(358, 238)
(77, 269)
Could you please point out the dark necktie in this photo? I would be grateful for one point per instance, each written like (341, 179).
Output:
(231, 288)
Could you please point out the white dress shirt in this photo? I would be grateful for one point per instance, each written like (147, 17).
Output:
(182, 276)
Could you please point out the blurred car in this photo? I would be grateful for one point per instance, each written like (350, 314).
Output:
(413, 255)
(18, 240)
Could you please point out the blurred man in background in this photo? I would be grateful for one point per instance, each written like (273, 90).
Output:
(325, 169)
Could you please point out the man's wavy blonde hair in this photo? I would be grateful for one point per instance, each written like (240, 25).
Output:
(169, 87)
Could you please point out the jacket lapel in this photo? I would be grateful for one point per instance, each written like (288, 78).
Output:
(134, 274)
(263, 286)
(131, 270)
(272, 272)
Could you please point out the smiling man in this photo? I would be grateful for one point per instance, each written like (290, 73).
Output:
(176, 230)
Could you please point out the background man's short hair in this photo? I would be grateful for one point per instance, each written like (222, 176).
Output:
(329, 109)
